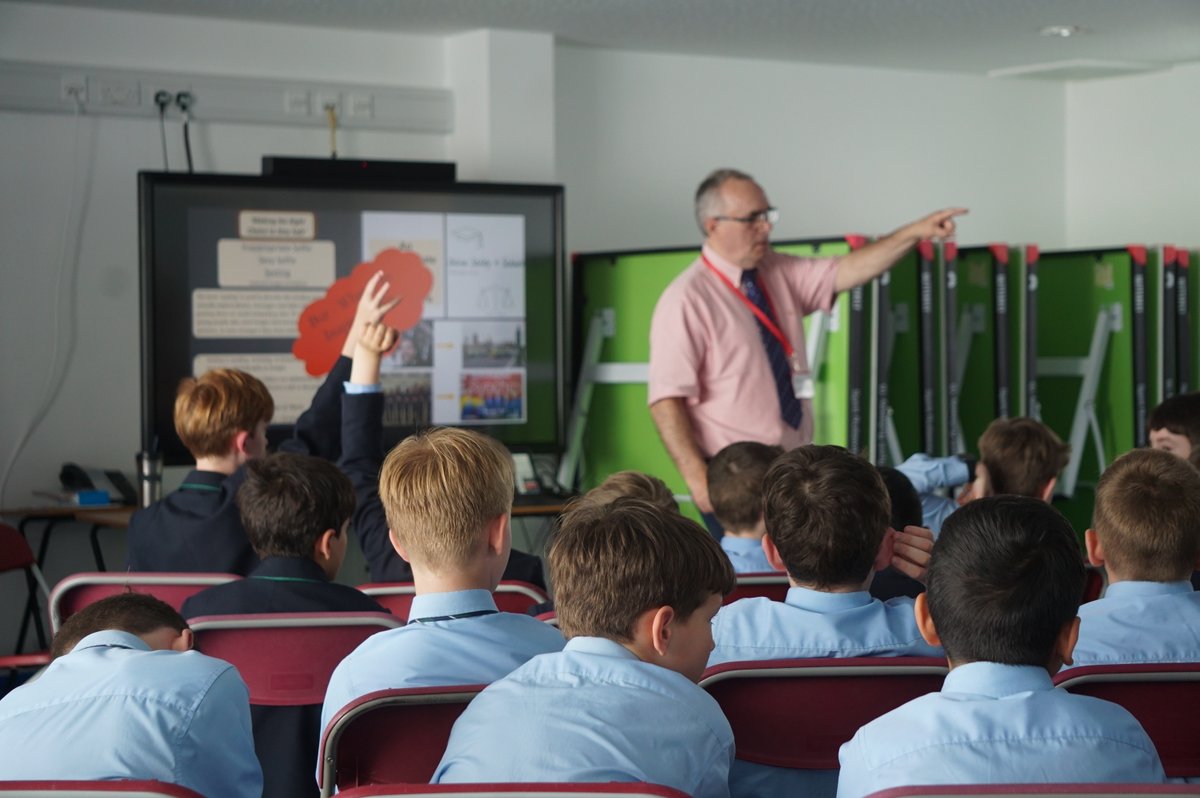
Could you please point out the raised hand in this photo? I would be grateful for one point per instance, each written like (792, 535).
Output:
(373, 305)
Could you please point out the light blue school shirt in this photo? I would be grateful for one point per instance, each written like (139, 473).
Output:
(998, 724)
(1140, 622)
(746, 555)
(593, 712)
(114, 709)
(929, 474)
(436, 649)
(809, 624)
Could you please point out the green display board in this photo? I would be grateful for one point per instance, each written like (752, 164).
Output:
(620, 433)
(1074, 290)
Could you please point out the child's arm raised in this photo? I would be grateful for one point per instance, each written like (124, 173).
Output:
(373, 305)
(375, 340)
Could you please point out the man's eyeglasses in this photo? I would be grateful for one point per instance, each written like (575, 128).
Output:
(768, 215)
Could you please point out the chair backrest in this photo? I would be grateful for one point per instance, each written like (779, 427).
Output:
(79, 590)
(286, 658)
(510, 595)
(1164, 699)
(796, 713)
(771, 585)
(500, 790)
(1095, 584)
(391, 736)
(14, 550)
(1038, 790)
(91, 789)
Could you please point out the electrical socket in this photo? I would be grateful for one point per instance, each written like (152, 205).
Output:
(324, 98)
(72, 85)
(296, 102)
(115, 93)
(360, 105)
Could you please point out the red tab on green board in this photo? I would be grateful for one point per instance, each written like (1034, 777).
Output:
(926, 250)
(999, 252)
(1169, 255)
(856, 241)
(1138, 253)
(1031, 253)
(1181, 255)
(950, 250)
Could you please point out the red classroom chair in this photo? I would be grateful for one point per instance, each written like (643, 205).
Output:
(510, 595)
(79, 590)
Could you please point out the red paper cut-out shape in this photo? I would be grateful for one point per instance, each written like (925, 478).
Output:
(324, 324)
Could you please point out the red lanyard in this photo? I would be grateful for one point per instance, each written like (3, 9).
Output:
(767, 321)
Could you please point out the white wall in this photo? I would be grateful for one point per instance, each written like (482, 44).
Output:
(838, 149)
(94, 417)
(1133, 170)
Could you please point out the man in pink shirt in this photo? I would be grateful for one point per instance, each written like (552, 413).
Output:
(727, 359)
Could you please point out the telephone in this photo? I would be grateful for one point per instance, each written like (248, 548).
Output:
(76, 478)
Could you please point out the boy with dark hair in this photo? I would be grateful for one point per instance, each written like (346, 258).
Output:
(296, 510)
(636, 588)
(906, 511)
(444, 497)
(1147, 537)
(1004, 583)
(827, 515)
(125, 698)
(735, 487)
(222, 418)
(1019, 456)
(1175, 427)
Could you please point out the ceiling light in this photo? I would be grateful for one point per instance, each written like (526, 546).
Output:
(1060, 31)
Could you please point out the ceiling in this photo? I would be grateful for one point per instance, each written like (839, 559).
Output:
(972, 36)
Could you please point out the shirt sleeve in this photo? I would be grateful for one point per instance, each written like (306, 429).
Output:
(676, 348)
(811, 282)
(219, 758)
(927, 474)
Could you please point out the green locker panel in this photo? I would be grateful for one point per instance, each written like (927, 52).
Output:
(1075, 289)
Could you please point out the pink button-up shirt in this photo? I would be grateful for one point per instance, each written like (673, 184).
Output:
(705, 347)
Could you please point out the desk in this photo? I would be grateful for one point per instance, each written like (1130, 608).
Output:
(104, 518)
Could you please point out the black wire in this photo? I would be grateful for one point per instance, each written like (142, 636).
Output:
(187, 141)
(162, 129)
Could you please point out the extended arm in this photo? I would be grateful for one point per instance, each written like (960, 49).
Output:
(675, 429)
(864, 265)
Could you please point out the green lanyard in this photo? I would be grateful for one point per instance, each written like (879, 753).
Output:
(289, 579)
(200, 486)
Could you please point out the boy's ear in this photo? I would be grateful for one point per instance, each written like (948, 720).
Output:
(323, 545)
(1064, 644)
(772, 551)
(887, 548)
(1048, 490)
(1095, 551)
(239, 441)
(661, 629)
(925, 620)
(499, 535)
(398, 546)
(184, 642)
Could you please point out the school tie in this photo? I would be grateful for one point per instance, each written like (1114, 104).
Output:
(789, 405)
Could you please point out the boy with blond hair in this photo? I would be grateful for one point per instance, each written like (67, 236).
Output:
(1147, 536)
(221, 417)
(445, 495)
(735, 488)
(1005, 579)
(637, 588)
(636, 485)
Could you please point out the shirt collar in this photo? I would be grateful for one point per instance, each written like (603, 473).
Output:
(742, 545)
(455, 602)
(995, 680)
(111, 638)
(819, 601)
(1135, 589)
(732, 271)
(599, 645)
(291, 567)
(212, 478)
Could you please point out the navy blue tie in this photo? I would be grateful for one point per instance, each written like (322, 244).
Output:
(789, 405)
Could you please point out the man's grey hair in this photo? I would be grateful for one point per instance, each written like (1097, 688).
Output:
(708, 195)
